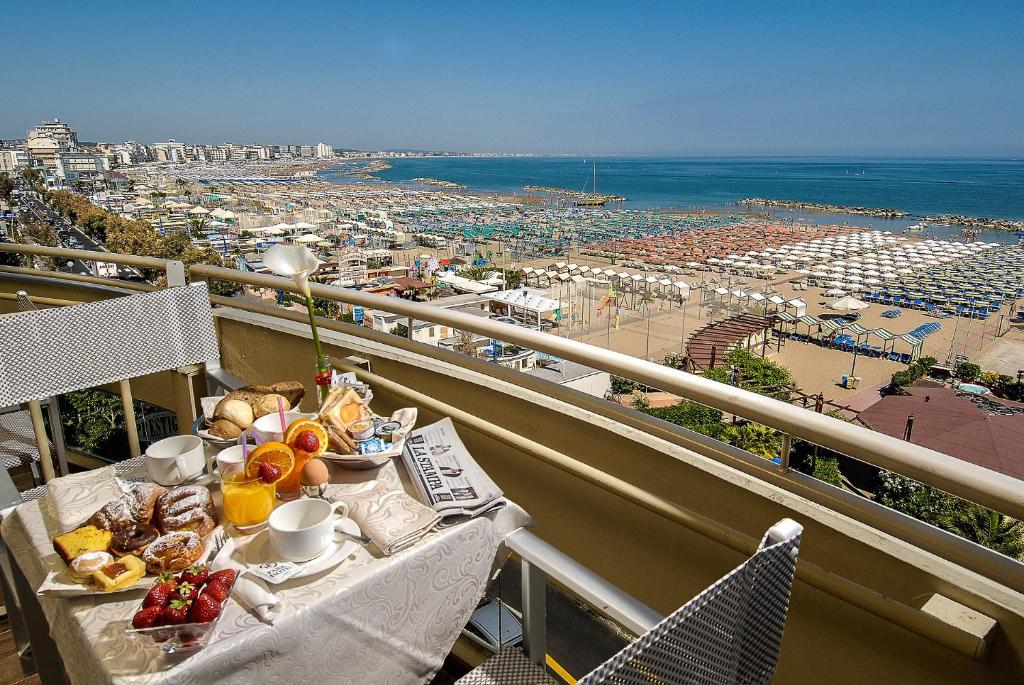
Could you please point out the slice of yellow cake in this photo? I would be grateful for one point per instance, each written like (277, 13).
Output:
(81, 540)
(120, 573)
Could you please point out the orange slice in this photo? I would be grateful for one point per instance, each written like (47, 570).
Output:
(299, 425)
(276, 453)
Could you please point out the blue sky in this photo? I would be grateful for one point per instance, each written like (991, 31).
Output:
(771, 78)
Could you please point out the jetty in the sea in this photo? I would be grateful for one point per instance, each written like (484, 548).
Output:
(580, 198)
(439, 183)
(946, 219)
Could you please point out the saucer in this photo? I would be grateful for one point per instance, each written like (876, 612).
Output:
(259, 551)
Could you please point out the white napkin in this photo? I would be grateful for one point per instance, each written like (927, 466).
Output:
(250, 592)
(77, 497)
(389, 517)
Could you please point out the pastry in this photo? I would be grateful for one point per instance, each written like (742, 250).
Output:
(133, 539)
(189, 508)
(173, 552)
(193, 520)
(339, 441)
(185, 498)
(342, 407)
(81, 540)
(135, 506)
(147, 495)
(222, 428)
(84, 565)
(119, 574)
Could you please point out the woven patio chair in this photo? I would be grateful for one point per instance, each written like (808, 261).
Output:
(728, 634)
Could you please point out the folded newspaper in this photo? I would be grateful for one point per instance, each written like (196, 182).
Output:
(448, 479)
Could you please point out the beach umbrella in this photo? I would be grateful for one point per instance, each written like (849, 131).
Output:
(835, 291)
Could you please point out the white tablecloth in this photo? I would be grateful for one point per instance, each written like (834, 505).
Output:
(373, 619)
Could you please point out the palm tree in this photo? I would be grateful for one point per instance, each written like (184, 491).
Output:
(989, 528)
(196, 226)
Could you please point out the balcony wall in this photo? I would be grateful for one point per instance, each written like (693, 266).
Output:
(659, 562)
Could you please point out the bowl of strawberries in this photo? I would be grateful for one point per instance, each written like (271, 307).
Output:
(180, 611)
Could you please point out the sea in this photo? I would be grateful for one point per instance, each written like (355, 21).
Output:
(923, 187)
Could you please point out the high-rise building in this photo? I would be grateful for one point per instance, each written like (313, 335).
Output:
(57, 130)
(46, 150)
(324, 150)
(305, 151)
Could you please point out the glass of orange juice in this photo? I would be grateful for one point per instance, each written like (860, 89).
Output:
(247, 501)
(290, 486)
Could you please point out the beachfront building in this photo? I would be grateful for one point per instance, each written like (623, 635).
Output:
(305, 151)
(55, 130)
(324, 150)
(79, 166)
(15, 159)
(45, 150)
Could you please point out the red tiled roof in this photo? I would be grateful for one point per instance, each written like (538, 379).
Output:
(953, 425)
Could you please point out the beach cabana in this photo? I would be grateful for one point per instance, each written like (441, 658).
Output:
(849, 304)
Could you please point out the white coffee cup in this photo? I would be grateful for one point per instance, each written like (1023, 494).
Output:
(302, 529)
(228, 456)
(175, 460)
(269, 425)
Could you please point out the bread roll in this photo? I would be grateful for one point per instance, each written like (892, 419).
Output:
(267, 404)
(223, 428)
(235, 411)
(292, 391)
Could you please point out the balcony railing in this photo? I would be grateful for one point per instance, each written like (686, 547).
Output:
(986, 487)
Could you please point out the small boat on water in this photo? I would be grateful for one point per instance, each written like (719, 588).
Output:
(916, 228)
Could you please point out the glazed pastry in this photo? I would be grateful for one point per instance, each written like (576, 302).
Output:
(147, 495)
(81, 540)
(119, 513)
(119, 574)
(133, 539)
(175, 503)
(84, 565)
(193, 520)
(292, 391)
(173, 552)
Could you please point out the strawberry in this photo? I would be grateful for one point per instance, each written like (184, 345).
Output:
(205, 609)
(185, 591)
(216, 589)
(195, 575)
(227, 576)
(269, 473)
(147, 617)
(307, 441)
(175, 613)
(160, 594)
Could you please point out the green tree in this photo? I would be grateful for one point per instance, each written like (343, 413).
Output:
(986, 527)
(196, 226)
(401, 330)
(7, 185)
(95, 418)
(968, 371)
(757, 439)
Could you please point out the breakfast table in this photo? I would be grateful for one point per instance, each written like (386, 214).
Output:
(371, 619)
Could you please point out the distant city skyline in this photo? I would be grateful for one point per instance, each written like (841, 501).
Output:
(867, 79)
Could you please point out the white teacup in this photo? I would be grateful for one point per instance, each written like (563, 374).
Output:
(230, 455)
(269, 425)
(175, 460)
(301, 530)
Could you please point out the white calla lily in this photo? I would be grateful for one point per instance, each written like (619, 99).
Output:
(293, 261)
(298, 263)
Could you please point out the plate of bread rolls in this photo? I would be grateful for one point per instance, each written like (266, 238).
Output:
(224, 418)
(131, 540)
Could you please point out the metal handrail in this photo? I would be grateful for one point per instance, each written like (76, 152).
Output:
(975, 483)
(87, 255)
(984, 486)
